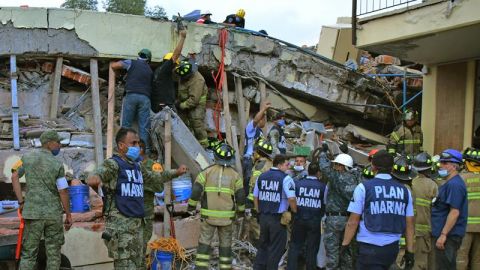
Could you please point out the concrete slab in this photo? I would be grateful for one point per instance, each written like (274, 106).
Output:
(187, 231)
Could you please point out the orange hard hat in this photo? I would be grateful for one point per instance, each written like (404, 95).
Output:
(371, 153)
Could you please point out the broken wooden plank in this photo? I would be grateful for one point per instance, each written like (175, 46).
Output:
(57, 76)
(110, 110)
(97, 118)
(226, 109)
(168, 166)
(238, 162)
(241, 113)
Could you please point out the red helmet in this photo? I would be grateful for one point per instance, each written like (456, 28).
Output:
(371, 153)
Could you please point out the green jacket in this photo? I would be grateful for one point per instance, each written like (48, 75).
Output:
(192, 92)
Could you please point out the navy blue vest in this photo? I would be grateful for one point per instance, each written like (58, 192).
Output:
(251, 141)
(270, 190)
(385, 206)
(282, 142)
(310, 193)
(129, 189)
(139, 78)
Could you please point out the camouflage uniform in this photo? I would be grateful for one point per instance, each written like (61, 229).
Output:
(405, 140)
(43, 208)
(220, 191)
(125, 245)
(340, 191)
(192, 94)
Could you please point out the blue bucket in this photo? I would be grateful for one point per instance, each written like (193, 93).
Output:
(79, 198)
(182, 188)
(163, 261)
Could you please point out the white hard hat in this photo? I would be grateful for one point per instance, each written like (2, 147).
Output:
(205, 12)
(344, 159)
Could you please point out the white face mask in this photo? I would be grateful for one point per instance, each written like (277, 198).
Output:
(298, 168)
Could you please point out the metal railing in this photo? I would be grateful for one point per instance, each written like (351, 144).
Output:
(364, 7)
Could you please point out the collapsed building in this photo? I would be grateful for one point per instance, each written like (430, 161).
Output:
(54, 74)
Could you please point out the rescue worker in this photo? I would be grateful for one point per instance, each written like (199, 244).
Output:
(237, 19)
(274, 192)
(276, 134)
(219, 188)
(149, 193)
(407, 138)
(367, 172)
(138, 90)
(45, 201)
(205, 17)
(299, 170)
(449, 211)
(253, 131)
(192, 95)
(306, 234)
(263, 163)
(163, 85)
(213, 142)
(341, 181)
(122, 180)
(384, 210)
(469, 252)
(424, 191)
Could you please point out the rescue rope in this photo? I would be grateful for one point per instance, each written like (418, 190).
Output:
(219, 78)
(169, 244)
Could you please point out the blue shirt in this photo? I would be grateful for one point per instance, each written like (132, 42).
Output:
(452, 194)
(250, 132)
(288, 192)
(357, 206)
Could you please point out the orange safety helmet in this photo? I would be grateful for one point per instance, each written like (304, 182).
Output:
(371, 153)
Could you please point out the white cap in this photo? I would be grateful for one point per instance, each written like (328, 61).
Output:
(205, 12)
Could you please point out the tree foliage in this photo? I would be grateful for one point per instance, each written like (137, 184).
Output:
(135, 7)
(155, 12)
(81, 4)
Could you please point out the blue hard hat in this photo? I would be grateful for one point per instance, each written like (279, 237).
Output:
(451, 155)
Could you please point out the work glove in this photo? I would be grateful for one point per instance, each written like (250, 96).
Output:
(248, 213)
(344, 147)
(324, 147)
(408, 260)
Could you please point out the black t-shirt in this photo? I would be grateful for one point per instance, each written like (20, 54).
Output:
(238, 21)
(163, 85)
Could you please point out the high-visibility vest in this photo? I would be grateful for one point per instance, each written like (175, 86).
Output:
(472, 181)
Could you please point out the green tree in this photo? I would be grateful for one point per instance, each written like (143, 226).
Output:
(135, 7)
(155, 12)
(80, 4)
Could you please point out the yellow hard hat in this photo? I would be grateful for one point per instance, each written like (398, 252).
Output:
(168, 56)
(241, 13)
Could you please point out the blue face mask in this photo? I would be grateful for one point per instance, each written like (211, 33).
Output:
(281, 122)
(55, 152)
(133, 152)
(443, 173)
(139, 159)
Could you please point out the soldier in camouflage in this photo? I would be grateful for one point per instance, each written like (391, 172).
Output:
(45, 201)
(341, 182)
(122, 180)
(192, 95)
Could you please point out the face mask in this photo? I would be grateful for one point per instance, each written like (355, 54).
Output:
(281, 122)
(55, 152)
(133, 152)
(443, 173)
(298, 168)
(139, 159)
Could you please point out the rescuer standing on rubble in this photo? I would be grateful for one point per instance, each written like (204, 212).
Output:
(138, 89)
(263, 163)
(205, 17)
(306, 234)
(122, 180)
(449, 211)
(149, 189)
(45, 201)
(380, 226)
(237, 20)
(424, 191)
(253, 131)
(274, 192)
(163, 86)
(192, 99)
(469, 252)
(276, 134)
(219, 188)
(341, 181)
(407, 138)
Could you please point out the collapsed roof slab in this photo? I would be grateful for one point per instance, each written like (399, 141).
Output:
(292, 70)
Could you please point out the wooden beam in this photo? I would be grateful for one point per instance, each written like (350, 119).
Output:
(238, 155)
(226, 109)
(167, 166)
(242, 120)
(97, 118)
(111, 110)
(57, 76)
(263, 91)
